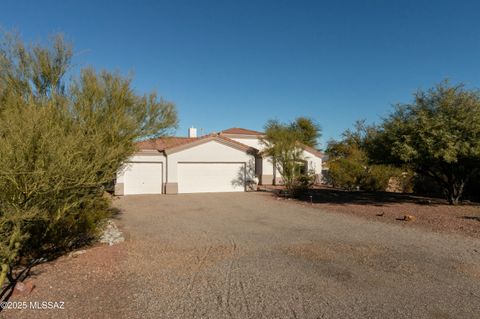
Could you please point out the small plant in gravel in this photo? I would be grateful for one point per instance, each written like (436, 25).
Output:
(61, 143)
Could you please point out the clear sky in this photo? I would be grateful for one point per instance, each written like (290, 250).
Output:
(240, 63)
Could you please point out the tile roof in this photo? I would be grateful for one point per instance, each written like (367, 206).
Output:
(166, 143)
(163, 143)
(241, 131)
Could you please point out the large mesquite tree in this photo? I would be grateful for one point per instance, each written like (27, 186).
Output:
(437, 135)
(61, 142)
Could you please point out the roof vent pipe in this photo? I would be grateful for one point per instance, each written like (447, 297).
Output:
(192, 132)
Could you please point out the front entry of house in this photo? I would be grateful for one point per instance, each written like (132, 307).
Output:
(211, 177)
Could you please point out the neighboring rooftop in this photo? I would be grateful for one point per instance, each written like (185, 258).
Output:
(241, 131)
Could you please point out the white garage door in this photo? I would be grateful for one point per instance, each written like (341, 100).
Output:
(211, 177)
(143, 178)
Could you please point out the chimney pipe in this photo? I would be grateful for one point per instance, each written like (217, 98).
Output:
(192, 132)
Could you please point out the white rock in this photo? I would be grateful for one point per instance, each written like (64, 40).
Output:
(111, 234)
(76, 253)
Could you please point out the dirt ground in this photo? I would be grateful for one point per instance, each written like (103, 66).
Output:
(430, 213)
(248, 255)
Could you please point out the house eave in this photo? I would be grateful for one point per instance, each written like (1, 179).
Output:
(180, 148)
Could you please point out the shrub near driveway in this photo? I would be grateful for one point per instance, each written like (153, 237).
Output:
(61, 142)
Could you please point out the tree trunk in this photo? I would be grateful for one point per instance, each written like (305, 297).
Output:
(3, 274)
(12, 253)
(454, 192)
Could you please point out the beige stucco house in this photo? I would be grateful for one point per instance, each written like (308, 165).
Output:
(229, 161)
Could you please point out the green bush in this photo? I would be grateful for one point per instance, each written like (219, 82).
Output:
(345, 173)
(302, 183)
(378, 178)
(61, 143)
(350, 168)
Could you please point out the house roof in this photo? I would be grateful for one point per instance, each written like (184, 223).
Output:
(173, 144)
(312, 150)
(240, 131)
(163, 143)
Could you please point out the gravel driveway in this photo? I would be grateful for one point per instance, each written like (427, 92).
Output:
(247, 255)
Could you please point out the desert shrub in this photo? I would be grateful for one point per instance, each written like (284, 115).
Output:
(345, 173)
(378, 178)
(403, 182)
(350, 167)
(350, 174)
(302, 183)
(61, 143)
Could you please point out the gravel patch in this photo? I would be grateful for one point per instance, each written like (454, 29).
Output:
(400, 209)
(249, 256)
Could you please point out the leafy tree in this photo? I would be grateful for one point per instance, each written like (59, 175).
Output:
(437, 135)
(283, 142)
(308, 130)
(61, 142)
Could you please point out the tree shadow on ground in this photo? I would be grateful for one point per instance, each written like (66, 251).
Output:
(477, 218)
(115, 213)
(19, 276)
(342, 197)
(24, 270)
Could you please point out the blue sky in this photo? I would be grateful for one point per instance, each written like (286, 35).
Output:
(240, 63)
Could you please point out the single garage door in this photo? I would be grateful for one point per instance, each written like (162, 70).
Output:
(211, 177)
(143, 178)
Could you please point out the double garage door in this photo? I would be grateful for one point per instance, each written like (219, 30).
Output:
(211, 177)
(146, 178)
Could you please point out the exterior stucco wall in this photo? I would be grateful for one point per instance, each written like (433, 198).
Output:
(270, 173)
(266, 171)
(250, 141)
(314, 162)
